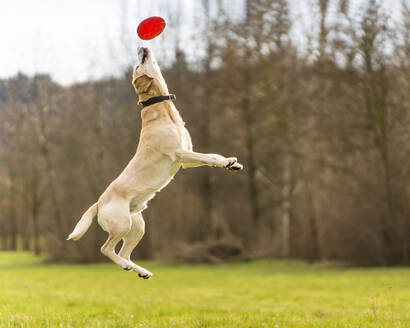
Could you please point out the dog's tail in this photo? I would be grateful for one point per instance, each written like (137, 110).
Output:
(84, 223)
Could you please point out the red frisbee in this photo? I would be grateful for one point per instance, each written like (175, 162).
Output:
(151, 27)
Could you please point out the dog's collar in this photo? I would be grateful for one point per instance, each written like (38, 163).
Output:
(154, 100)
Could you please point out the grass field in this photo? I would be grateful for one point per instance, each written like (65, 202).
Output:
(252, 294)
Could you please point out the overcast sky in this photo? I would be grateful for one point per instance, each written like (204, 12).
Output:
(74, 40)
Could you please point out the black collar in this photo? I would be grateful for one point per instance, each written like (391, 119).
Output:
(154, 100)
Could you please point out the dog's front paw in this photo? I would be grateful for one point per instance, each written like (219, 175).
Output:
(235, 167)
(232, 164)
(229, 162)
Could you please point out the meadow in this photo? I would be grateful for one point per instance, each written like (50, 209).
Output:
(267, 293)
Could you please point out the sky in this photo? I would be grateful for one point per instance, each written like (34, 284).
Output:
(76, 40)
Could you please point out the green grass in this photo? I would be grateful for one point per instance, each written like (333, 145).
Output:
(253, 294)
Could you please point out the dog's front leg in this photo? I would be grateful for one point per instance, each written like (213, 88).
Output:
(193, 159)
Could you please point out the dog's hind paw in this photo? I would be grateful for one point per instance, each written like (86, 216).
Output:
(141, 272)
(145, 275)
(127, 267)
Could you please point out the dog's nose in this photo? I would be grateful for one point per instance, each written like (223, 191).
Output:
(143, 50)
(143, 54)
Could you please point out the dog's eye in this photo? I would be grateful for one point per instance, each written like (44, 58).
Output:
(136, 67)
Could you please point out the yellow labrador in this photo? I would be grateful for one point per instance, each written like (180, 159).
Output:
(164, 146)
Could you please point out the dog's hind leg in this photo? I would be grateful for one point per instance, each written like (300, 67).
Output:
(114, 218)
(130, 240)
(108, 249)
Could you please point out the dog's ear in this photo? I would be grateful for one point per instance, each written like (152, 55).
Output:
(142, 84)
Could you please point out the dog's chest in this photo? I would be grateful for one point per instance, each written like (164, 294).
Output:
(153, 180)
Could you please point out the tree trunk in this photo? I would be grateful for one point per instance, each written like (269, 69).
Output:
(286, 195)
(248, 121)
(36, 237)
(12, 216)
(35, 208)
(211, 228)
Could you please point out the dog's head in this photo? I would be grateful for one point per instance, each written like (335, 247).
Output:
(147, 78)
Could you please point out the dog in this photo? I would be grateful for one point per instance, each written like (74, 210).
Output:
(164, 147)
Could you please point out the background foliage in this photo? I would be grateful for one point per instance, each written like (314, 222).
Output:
(322, 129)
